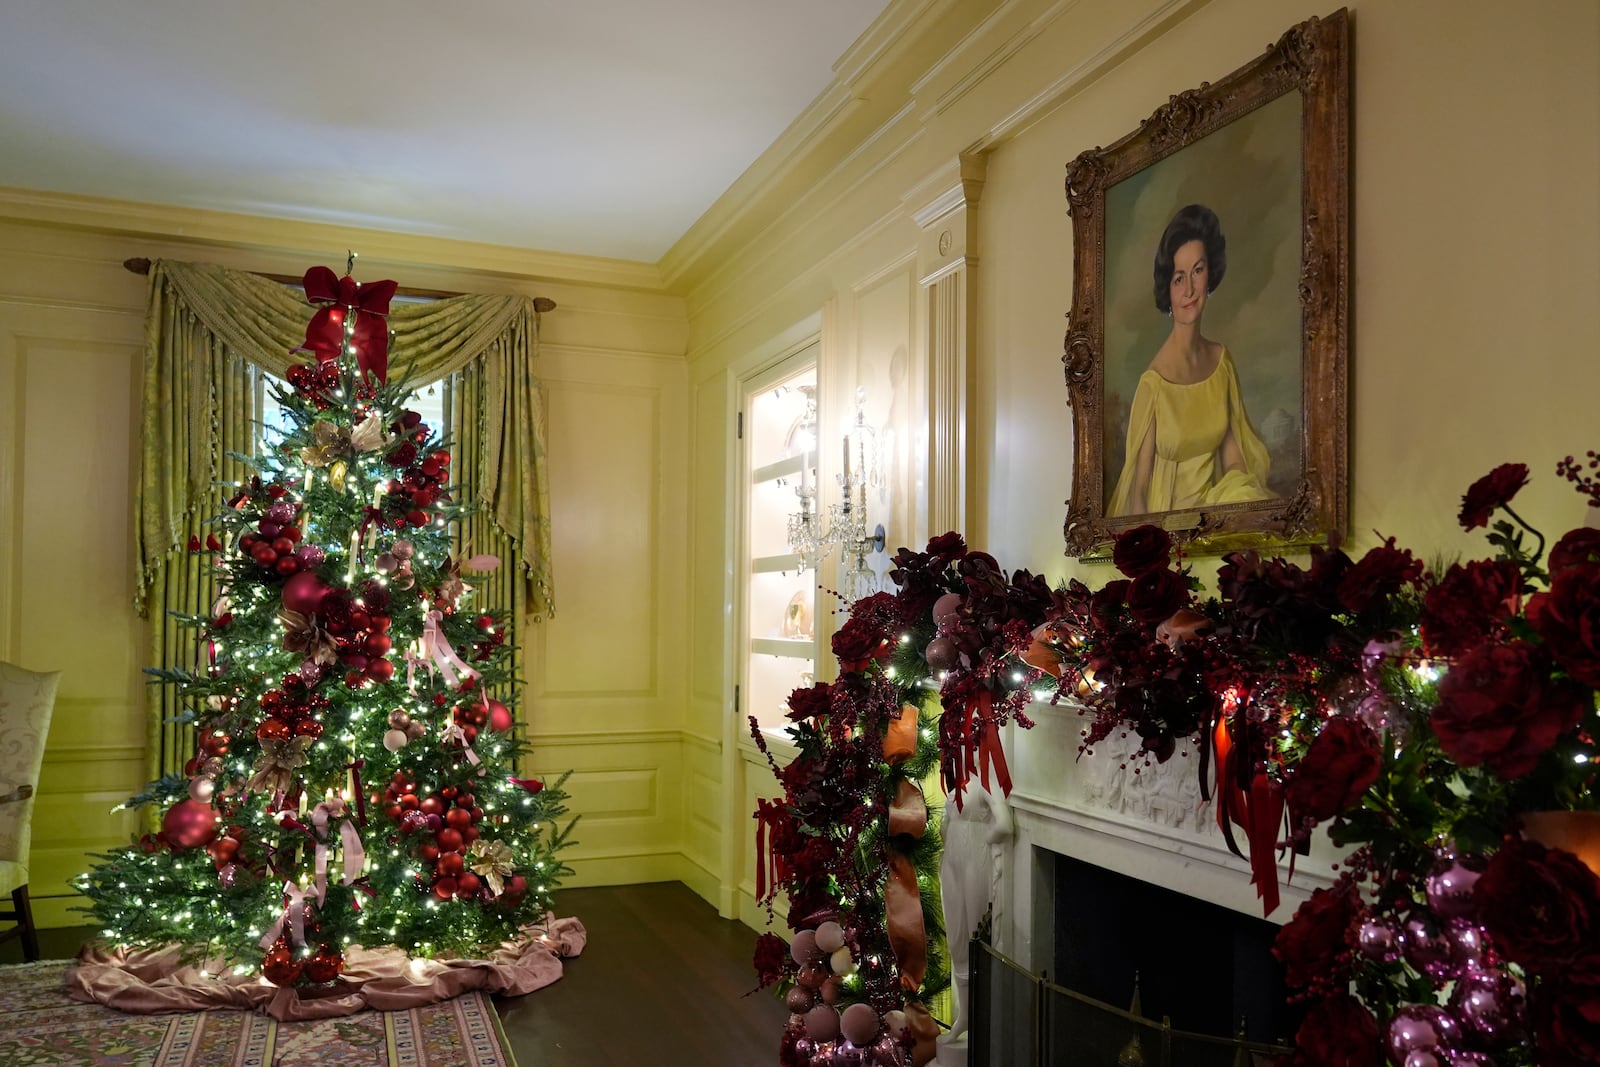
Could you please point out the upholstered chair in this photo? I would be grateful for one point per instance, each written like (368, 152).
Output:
(26, 699)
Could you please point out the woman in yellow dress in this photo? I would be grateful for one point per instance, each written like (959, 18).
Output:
(1190, 443)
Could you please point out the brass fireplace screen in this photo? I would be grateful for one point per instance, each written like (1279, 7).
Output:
(1022, 1019)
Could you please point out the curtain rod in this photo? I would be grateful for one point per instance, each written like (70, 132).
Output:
(541, 304)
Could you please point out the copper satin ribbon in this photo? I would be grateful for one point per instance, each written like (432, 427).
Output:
(925, 1030)
(909, 812)
(900, 739)
(902, 905)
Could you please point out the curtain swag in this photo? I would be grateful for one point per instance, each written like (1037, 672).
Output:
(202, 320)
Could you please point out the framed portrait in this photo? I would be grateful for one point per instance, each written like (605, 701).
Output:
(1207, 345)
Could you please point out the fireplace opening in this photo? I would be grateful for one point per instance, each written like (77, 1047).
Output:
(1203, 966)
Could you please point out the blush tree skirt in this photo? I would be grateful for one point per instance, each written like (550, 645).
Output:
(353, 778)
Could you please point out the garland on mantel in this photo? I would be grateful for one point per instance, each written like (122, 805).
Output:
(1441, 722)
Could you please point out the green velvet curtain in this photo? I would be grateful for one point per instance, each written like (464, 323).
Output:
(211, 332)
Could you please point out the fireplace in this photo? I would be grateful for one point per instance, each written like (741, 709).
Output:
(1118, 866)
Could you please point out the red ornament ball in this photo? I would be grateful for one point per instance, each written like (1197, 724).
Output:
(433, 805)
(380, 670)
(377, 644)
(468, 884)
(450, 865)
(263, 554)
(286, 565)
(274, 730)
(445, 888)
(304, 592)
(326, 965)
(279, 966)
(189, 824)
(449, 839)
(458, 818)
(499, 716)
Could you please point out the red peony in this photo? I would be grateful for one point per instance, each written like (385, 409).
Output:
(809, 703)
(1500, 707)
(1142, 549)
(771, 959)
(1568, 618)
(1470, 604)
(1493, 490)
(1377, 576)
(1341, 764)
(1106, 603)
(1566, 1012)
(1540, 905)
(1314, 945)
(857, 643)
(1337, 1032)
(1155, 596)
(1578, 546)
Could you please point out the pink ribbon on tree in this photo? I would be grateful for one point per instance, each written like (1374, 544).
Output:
(355, 856)
(437, 652)
(454, 734)
(350, 313)
(294, 912)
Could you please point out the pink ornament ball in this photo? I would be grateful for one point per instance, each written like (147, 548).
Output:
(1376, 941)
(830, 937)
(201, 790)
(945, 608)
(799, 1000)
(394, 740)
(859, 1024)
(1420, 1027)
(822, 1023)
(832, 990)
(1449, 890)
(942, 654)
(305, 592)
(804, 948)
(1425, 1057)
(189, 824)
(1426, 946)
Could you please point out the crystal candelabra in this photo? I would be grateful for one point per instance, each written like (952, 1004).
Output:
(812, 539)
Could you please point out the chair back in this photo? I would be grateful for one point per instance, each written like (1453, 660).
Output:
(26, 700)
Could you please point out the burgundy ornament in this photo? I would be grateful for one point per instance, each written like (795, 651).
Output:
(942, 654)
(305, 593)
(799, 1000)
(945, 610)
(189, 824)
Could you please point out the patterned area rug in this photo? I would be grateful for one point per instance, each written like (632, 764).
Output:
(40, 1026)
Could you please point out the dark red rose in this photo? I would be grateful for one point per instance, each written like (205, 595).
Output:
(946, 548)
(809, 703)
(1106, 604)
(1500, 707)
(857, 643)
(1341, 764)
(1470, 604)
(1155, 595)
(402, 456)
(1566, 1014)
(1377, 576)
(1539, 904)
(1575, 547)
(1491, 491)
(1337, 1032)
(1568, 618)
(771, 958)
(1314, 946)
(1141, 549)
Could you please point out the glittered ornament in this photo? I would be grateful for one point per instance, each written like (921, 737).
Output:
(799, 999)
(822, 1023)
(942, 654)
(859, 1023)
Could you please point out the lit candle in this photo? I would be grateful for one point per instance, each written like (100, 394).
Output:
(847, 459)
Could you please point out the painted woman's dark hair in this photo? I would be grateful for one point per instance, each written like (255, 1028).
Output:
(1193, 223)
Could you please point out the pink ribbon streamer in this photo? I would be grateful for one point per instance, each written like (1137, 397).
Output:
(295, 912)
(454, 733)
(354, 855)
(437, 651)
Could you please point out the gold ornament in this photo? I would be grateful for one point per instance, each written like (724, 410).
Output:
(336, 474)
(491, 861)
(331, 442)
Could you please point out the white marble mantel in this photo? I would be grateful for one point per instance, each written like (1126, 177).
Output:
(1152, 825)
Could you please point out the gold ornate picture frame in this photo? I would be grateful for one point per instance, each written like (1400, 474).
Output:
(1207, 347)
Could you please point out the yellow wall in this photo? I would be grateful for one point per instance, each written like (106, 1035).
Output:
(1475, 272)
(1475, 340)
(606, 674)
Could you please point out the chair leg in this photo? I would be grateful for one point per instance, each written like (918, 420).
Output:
(30, 935)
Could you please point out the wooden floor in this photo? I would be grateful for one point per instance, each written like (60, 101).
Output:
(660, 984)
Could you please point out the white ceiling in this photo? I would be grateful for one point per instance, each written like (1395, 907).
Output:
(602, 127)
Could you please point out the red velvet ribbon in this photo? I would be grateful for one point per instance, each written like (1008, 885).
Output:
(976, 746)
(769, 866)
(363, 307)
(1257, 811)
(361, 793)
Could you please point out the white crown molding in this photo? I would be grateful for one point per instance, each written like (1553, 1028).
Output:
(102, 215)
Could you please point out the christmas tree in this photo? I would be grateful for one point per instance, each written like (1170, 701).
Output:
(353, 780)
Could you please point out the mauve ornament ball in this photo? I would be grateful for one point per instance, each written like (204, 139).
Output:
(803, 949)
(945, 609)
(822, 1023)
(830, 936)
(942, 654)
(1376, 941)
(1449, 889)
(799, 999)
(1426, 946)
(1420, 1026)
(859, 1023)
